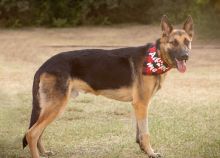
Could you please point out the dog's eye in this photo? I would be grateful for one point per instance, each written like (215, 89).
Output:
(174, 43)
(186, 42)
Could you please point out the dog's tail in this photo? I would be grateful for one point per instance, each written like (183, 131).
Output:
(36, 107)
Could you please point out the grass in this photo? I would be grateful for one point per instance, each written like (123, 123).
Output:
(184, 116)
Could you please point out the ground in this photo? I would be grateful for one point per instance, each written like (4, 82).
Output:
(184, 116)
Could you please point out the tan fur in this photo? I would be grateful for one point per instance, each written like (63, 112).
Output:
(53, 101)
(163, 51)
(122, 94)
(179, 35)
(150, 85)
(176, 34)
(81, 86)
(53, 104)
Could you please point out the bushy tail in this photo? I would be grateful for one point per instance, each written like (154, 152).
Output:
(35, 108)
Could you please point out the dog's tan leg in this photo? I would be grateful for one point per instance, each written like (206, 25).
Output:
(143, 137)
(32, 142)
(49, 113)
(142, 94)
(42, 149)
(53, 96)
(137, 134)
(40, 145)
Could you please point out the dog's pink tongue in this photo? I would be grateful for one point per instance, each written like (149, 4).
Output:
(181, 66)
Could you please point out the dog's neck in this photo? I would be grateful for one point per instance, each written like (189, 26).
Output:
(162, 53)
(153, 63)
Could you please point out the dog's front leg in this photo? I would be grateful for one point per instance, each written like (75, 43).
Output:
(143, 137)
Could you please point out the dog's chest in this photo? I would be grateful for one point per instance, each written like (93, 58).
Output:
(159, 82)
(151, 84)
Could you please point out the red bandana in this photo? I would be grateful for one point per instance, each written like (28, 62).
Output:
(153, 64)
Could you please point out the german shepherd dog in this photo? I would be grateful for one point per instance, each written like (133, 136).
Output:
(118, 74)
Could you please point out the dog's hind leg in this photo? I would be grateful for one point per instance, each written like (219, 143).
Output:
(42, 149)
(40, 145)
(53, 98)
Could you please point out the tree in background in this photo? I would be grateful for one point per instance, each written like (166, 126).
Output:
(67, 13)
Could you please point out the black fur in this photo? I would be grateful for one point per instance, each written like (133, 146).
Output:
(110, 67)
(101, 69)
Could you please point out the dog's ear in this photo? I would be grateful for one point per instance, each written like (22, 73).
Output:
(188, 26)
(166, 26)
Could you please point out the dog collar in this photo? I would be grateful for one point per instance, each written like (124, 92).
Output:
(153, 63)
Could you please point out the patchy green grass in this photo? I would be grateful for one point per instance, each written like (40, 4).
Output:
(184, 116)
(101, 127)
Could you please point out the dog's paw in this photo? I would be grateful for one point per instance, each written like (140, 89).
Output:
(48, 153)
(155, 155)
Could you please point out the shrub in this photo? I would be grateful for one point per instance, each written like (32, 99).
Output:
(65, 13)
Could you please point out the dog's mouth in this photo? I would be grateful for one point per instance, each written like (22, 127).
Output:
(181, 65)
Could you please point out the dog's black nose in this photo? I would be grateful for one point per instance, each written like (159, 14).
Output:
(184, 57)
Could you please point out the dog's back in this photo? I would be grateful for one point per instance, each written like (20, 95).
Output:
(110, 67)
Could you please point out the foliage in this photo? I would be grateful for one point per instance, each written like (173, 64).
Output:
(66, 13)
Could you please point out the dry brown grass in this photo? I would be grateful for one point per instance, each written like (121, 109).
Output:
(184, 116)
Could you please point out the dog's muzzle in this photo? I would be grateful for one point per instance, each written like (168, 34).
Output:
(181, 61)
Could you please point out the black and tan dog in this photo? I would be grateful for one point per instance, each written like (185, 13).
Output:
(131, 74)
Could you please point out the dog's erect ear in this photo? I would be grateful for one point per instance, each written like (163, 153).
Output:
(166, 26)
(188, 26)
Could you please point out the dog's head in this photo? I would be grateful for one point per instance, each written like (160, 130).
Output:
(175, 44)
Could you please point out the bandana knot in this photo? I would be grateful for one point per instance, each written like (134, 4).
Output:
(153, 64)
